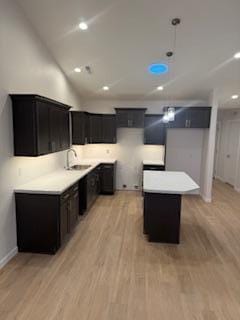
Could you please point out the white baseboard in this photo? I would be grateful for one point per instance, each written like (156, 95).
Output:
(220, 178)
(8, 257)
(206, 199)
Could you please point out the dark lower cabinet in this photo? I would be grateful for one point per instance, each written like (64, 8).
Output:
(44, 220)
(162, 217)
(102, 180)
(89, 189)
(108, 178)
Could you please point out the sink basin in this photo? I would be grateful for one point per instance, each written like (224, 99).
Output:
(80, 167)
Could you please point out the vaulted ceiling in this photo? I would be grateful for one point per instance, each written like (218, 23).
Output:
(125, 36)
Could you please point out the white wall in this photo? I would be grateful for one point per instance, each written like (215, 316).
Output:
(208, 154)
(184, 151)
(25, 67)
(129, 152)
(231, 114)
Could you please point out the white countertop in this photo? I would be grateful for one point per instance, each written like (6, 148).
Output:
(173, 182)
(59, 181)
(153, 162)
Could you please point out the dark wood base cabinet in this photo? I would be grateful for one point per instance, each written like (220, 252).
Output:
(108, 178)
(44, 221)
(162, 216)
(102, 180)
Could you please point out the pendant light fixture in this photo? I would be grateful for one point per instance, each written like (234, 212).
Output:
(169, 112)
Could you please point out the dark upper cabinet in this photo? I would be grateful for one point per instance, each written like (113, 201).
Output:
(41, 125)
(102, 128)
(80, 122)
(154, 130)
(38, 124)
(95, 128)
(130, 117)
(191, 117)
(109, 129)
(65, 131)
(199, 117)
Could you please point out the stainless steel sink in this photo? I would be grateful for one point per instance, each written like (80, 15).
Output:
(80, 167)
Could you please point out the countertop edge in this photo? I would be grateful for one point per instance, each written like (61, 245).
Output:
(19, 190)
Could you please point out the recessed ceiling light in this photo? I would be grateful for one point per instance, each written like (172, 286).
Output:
(77, 70)
(237, 55)
(83, 26)
(158, 68)
(105, 88)
(235, 96)
(160, 88)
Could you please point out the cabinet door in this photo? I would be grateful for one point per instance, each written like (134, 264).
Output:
(181, 119)
(109, 129)
(90, 189)
(78, 127)
(54, 123)
(122, 119)
(154, 130)
(64, 220)
(199, 117)
(136, 118)
(107, 178)
(73, 210)
(43, 130)
(95, 128)
(64, 129)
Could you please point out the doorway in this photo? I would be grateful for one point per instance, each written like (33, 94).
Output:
(227, 151)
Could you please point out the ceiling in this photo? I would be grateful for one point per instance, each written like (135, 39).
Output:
(125, 36)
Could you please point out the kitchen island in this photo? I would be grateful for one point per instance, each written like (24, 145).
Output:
(163, 192)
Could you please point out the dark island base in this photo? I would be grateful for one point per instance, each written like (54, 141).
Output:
(162, 216)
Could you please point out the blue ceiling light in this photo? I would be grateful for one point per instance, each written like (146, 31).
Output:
(158, 68)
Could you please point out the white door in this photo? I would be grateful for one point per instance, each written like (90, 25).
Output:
(231, 154)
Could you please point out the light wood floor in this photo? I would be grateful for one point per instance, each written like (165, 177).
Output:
(108, 271)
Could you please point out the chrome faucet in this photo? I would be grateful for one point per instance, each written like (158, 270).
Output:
(75, 154)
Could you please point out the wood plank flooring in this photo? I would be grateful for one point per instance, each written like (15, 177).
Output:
(108, 271)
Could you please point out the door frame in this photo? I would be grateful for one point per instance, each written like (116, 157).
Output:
(237, 169)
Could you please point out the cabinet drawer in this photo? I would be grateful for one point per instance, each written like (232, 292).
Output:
(66, 194)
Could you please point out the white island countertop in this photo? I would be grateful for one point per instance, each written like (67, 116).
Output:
(59, 181)
(171, 182)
